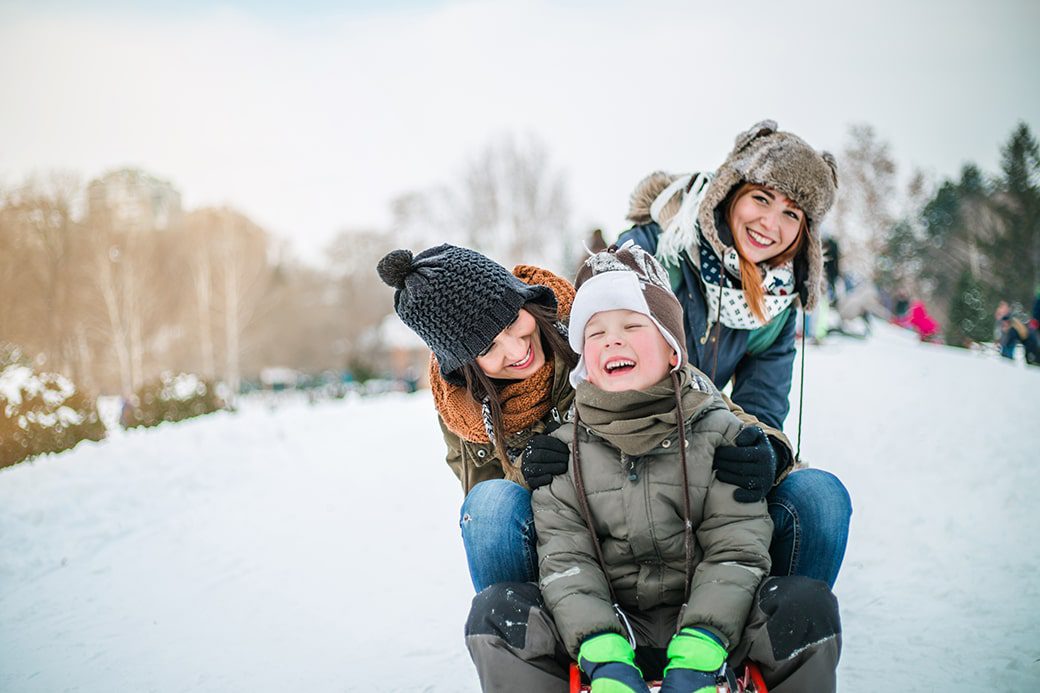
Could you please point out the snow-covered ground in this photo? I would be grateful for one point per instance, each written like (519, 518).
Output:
(316, 547)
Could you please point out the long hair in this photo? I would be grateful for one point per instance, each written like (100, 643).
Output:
(749, 271)
(479, 385)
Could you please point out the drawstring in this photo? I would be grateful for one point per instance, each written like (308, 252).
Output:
(718, 329)
(586, 513)
(687, 523)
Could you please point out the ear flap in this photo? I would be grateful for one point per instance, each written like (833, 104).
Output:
(833, 163)
(766, 127)
(801, 277)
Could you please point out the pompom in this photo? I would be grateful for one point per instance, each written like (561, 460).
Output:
(394, 267)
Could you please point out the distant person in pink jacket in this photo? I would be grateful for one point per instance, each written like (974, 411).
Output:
(918, 319)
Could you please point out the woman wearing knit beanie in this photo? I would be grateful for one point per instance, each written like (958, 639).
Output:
(740, 245)
(499, 375)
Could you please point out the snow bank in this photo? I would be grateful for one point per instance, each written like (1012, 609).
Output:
(316, 548)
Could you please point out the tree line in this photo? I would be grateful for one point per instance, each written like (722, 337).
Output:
(112, 304)
(959, 244)
(113, 300)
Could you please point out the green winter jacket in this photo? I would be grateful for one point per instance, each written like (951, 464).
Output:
(475, 462)
(637, 509)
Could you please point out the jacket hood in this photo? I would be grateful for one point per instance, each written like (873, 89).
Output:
(765, 156)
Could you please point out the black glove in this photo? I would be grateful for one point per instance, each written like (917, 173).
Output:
(750, 463)
(544, 458)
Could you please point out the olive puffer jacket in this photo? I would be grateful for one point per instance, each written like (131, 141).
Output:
(637, 509)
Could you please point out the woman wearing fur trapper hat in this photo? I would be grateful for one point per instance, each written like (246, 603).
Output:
(499, 375)
(740, 246)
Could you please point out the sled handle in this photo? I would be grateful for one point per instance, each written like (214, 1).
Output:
(575, 679)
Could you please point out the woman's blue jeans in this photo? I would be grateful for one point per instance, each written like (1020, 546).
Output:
(810, 510)
(498, 533)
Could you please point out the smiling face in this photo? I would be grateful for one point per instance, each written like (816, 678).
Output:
(624, 350)
(516, 353)
(764, 222)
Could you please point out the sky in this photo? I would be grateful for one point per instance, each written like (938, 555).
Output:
(312, 116)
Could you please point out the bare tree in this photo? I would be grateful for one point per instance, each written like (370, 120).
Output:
(867, 199)
(230, 274)
(137, 283)
(198, 229)
(508, 202)
(43, 243)
(361, 298)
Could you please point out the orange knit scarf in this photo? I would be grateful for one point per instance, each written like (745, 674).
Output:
(523, 402)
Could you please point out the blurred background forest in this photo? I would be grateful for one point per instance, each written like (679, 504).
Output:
(113, 288)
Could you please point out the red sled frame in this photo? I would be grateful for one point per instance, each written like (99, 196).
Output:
(749, 681)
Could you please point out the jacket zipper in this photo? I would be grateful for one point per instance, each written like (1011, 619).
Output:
(631, 463)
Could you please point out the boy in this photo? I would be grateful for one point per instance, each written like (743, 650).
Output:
(644, 557)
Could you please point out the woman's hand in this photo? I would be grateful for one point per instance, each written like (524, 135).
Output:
(749, 463)
(544, 458)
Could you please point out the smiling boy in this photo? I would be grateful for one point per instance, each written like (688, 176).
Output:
(648, 564)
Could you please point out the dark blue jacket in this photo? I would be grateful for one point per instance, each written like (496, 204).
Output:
(761, 382)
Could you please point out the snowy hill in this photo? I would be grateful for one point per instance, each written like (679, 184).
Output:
(316, 548)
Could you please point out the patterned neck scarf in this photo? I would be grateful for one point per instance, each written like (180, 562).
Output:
(722, 289)
(725, 297)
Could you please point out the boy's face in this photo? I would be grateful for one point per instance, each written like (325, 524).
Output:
(624, 350)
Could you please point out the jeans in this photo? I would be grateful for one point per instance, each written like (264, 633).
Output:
(810, 510)
(498, 533)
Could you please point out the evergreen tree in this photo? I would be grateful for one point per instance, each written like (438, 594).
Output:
(970, 317)
(1016, 250)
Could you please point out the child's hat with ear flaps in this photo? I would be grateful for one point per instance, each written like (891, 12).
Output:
(625, 278)
(457, 300)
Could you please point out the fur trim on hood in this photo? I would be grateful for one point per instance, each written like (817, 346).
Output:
(766, 156)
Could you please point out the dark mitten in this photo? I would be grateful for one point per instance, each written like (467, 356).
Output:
(749, 463)
(544, 457)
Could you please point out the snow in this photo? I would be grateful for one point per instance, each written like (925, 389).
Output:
(316, 547)
(182, 386)
(17, 380)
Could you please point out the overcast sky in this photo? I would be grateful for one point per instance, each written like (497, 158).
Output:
(311, 116)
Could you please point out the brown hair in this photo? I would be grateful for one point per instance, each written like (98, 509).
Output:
(479, 385)
(749, 271)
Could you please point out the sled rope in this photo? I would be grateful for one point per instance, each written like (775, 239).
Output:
(801, 388)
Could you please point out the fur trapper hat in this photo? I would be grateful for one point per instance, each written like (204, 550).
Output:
(625, 278)
(765, 156)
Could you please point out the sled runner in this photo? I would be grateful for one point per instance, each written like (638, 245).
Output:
(749, 680)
